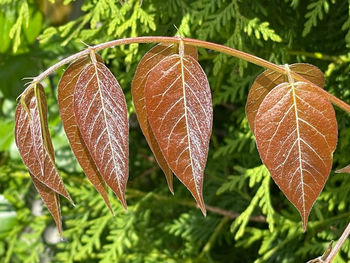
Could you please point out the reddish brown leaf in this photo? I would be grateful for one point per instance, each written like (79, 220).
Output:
(178, 104)
(101, 114)
(147, 63)
(51, 200)
(30, 131)
(66, 88)
(269, 79)
(296, 134)
(34, 142)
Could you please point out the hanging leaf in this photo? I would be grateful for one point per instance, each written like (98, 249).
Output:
(101, 114)
(51, 200)
(296, 135)
(178, 104)
(35, 147)
(66, 88)
(269, 79)
(34, 143)
(147, 63)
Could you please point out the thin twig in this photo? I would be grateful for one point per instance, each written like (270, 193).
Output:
(192, 42)
(322, 258)
(232, 215)
(145, 173)
(213, 237)
(338, 245)
(216, 210)
(318, 55)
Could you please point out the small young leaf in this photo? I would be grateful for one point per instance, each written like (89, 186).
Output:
(296, 135)
(147, 63)
(178, 104)
(269, 79)
(101, 115)
(66, 88)
(33, 140)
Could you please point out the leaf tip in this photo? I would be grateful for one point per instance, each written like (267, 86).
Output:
(204, 212)
(201, 205)
(58, 225)
(123, 202)
(125, 208)
(70, 200)
(60, 233)
(58, 221)
(304, 218)
(171, 187)
(110, 209)
(169, 177)
(104, 195)
(304, 226)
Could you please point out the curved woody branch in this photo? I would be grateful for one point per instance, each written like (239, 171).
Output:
(188, 41)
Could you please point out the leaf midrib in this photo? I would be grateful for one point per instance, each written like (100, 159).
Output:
(105, 119)
(299, 147)
(186, 120)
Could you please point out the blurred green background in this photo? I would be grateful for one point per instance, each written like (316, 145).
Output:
(249, 219)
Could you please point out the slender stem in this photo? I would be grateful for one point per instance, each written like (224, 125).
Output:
(232, 215)
(213, 237)
(316, 225)
(337, 246)
(318, 55)
(192, 42)
(235, 53)
(110, 44)
(215, 210)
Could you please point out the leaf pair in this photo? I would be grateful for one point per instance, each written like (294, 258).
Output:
(35, 147)
(94, 115)
(296, 133)
(172, 99)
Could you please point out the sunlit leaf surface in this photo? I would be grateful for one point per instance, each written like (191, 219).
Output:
(296, 135)
(66, 88)
(147, 63)
(35, 147)
(178, 104)
(269, 79)
(101, 114)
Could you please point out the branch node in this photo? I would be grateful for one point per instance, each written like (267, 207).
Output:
(92, 55)
(181, 47)
(289, 75)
